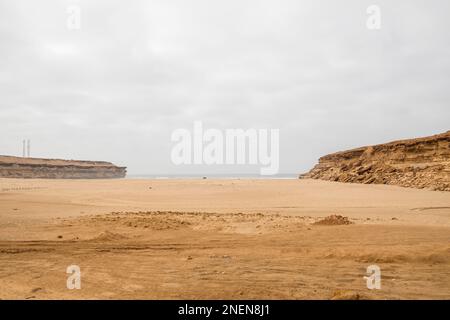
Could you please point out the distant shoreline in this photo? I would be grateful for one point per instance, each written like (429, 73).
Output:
(211, 176)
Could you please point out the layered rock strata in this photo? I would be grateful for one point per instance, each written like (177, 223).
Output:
(418, 163)
(34, 168)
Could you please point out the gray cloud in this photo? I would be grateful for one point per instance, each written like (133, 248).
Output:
(116, 89)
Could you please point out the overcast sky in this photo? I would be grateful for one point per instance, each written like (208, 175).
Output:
(137, 70)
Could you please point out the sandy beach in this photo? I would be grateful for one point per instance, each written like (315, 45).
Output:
(221, 239)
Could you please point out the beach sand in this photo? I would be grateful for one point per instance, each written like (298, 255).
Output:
(221, 239)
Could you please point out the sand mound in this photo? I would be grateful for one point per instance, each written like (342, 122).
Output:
(333, 220)
(109, 236)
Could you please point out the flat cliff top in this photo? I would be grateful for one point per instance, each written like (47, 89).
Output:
(53, 162)
(406, 142)
(419, 163)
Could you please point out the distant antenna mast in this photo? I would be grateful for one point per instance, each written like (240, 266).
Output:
(28, 148)
(23, 148)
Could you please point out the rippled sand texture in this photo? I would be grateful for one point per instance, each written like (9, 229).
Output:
(221, 239)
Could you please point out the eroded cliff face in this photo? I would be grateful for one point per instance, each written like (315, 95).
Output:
(418, 163)
(33, 168)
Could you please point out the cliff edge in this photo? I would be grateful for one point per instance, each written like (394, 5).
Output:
(418, 163)
(35, 168)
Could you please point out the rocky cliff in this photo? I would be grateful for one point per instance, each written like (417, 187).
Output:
(418, 163)
(15, 167)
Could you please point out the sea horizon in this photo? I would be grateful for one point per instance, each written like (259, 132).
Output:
(213, 176)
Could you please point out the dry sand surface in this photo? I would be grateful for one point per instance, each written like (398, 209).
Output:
(221, 239)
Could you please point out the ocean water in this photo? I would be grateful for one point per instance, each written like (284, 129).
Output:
(211, 176)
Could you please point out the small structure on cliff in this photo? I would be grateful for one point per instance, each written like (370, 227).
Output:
(417, 163)
(35, 168)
